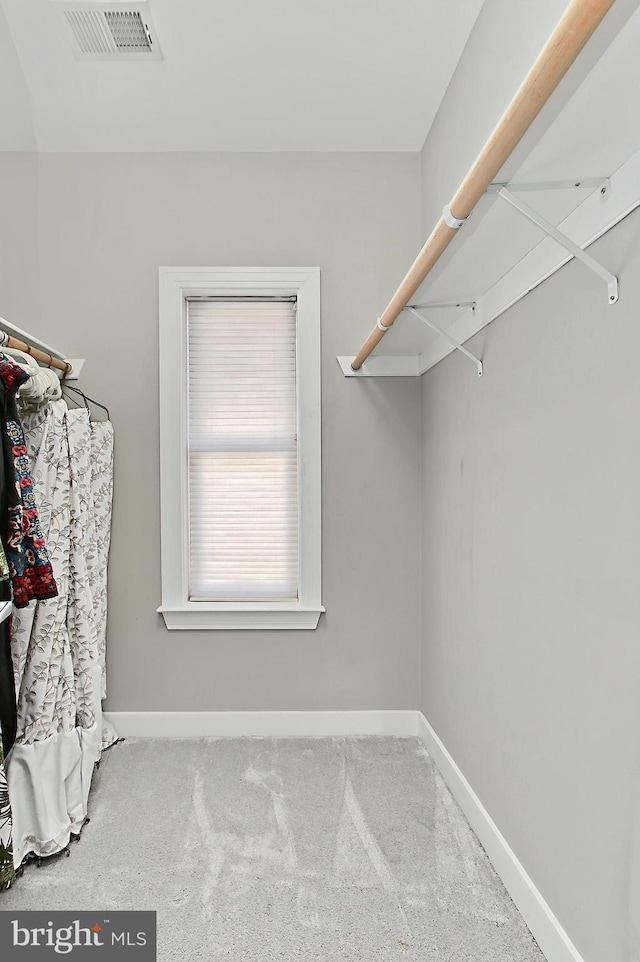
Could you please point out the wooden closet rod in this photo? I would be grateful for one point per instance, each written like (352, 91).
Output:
(7, 340)
(565, 43)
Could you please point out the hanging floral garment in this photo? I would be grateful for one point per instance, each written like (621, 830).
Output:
(25, 573)
(4, 565)
(6, 842)
(98, 555)
(29, 565)
(58, 643)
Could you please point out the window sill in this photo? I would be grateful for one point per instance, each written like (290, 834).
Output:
(252, 617)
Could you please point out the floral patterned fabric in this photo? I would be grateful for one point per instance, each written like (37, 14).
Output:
(81, 617)
(6, 842)
(98, 553)
(41, 648)
(4, 565)
(12, 375)
(55, 643)
(29, 565)
(58, 643)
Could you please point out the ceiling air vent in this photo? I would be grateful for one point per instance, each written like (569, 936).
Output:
(110, 31)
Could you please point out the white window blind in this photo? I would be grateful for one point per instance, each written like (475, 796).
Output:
(242, 450)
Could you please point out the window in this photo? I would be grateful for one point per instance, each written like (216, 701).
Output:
(240, 447)
(242, 451)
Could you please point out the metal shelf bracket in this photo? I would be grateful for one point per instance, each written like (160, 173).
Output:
(437, 304)
(438, 330)
(586, 183)
(610, 279)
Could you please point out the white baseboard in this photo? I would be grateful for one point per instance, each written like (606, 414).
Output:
(283, 724)
(545, 928)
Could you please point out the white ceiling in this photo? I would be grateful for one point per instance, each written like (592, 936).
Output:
(246, 75)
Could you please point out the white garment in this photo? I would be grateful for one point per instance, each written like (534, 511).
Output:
(58, 643)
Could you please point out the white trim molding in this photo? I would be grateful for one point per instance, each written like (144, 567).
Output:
(176, 285)
(245, 618)
(264, 724)
(543, 924)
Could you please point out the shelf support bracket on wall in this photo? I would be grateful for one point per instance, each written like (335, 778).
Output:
(436, 304)
(586, 183)
(610, 279)
(439, 330)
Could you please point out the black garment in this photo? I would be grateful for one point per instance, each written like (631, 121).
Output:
(8, 701)
(8, 708)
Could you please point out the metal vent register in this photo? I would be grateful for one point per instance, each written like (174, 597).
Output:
(110, 31)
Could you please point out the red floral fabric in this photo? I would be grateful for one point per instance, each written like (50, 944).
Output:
(29, 565)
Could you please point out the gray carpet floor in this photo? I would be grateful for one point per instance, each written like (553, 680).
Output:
(260, 849)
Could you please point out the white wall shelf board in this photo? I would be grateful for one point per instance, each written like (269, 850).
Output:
(593, 218)
(76, 363)
(499, 255)
(16, 331)
(382, 366)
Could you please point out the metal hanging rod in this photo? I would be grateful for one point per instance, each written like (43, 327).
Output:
(610, 279)
(439, 330)
(579, 22)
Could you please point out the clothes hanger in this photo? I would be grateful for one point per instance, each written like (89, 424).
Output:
(86, 398)
(25, 361)
(65, 393)
(43, 384)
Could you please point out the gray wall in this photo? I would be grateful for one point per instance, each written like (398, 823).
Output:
(531, 553)
(16, 129)
(19, 264)
(106, 222)
(531, 590)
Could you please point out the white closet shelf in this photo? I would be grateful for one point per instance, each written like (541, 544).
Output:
(592, 218)
(580, 179)
(17, 332)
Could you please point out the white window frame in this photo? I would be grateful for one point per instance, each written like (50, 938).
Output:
(176, 284)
